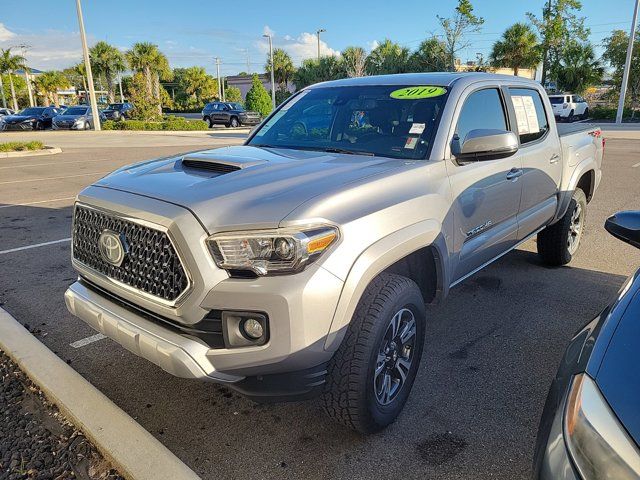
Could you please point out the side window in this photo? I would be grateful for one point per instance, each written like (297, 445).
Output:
(530, 114)
(482, 109)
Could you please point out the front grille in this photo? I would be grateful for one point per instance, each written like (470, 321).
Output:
(151, 264)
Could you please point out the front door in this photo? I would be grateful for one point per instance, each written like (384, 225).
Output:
(486, 193)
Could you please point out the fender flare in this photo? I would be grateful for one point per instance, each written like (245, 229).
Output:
(565, 194)
(374, 260)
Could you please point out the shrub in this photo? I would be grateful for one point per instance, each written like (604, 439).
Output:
(233, 94)
(21, 146)
(258, 99)
(169, 123)
(609, 113)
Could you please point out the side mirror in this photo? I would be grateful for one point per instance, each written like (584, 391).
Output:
(625, 226)
(484, 144)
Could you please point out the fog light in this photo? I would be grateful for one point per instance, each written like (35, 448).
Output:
(252, 328)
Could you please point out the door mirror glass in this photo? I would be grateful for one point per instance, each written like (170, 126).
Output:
(484, 144)
(625, 226)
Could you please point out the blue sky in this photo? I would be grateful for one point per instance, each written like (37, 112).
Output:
(192, 32)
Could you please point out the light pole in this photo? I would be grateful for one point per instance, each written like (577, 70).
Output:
(218, 74)
(318, 35)
(273, 83)
(27, 79)
(87, 66)
(627, 64)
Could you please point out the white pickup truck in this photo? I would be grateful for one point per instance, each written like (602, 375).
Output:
(300, 263)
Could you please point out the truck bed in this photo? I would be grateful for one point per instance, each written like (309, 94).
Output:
(565, 129)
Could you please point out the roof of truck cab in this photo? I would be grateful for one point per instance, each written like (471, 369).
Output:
(443, 79)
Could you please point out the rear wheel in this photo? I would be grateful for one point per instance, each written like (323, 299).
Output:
(234, 123)
(371, 375)
(558, 243)
(585, 115)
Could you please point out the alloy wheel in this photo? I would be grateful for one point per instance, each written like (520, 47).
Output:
(575, 229)
(395, 356)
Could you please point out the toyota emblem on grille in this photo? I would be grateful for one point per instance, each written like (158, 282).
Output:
(113, 247)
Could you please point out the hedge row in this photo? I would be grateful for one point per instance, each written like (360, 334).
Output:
(21, 146)
(609, 113)
(170, 123)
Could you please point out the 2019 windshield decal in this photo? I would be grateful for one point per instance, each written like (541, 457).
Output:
(414, 93)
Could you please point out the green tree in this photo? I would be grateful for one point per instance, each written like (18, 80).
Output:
(431, 56)
(47, 85)
(558, 27)
(233, 94)
(9, 63)
(199, 84)
(578, 68)
(615, 54)
(258, 99)
(388, 57)
(283, 68)
(108, 61)
(20, 89)
(147, 59)
(145, 106)
(455, 28)
(518, 48)
(313, 71)
(354, 61)
(76, 76)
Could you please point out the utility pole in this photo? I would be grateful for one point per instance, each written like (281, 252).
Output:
(318, 35)
(248, 63)
(627, 64)
(120, 87)
(273, 83)
(218, 74)
(87, 65)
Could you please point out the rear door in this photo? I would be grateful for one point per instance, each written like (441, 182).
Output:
(486, 193)
(541, 159)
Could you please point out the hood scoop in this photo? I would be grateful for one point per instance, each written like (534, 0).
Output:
(218, 163)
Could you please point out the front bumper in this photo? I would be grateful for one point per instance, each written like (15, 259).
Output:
(16, 127)
(249, 121)
(299, 307)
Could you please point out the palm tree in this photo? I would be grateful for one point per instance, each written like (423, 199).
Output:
(9, 63)
(283, 68)
(578, 68)
(196, 82)
(47, 85)
(518, 48)
(354, 59)
(107, 60)
(147, 59)
(388, 57)
(431, 56)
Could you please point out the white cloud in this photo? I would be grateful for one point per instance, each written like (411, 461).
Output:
(372, 45)
(5, 33)
(300, 48)
(267, 31)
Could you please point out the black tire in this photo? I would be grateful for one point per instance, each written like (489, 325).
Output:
(209, 121)
(570, 117)
(351, 393)
(116, 116)
(88, 126)
(585, 115)
(234, 123)
(38, 126)
(554, 245)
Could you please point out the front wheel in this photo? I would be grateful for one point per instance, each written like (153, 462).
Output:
(585, 115)
(570, 117)
(234, 123)
(558, 243)
(370, 376)
(209, 121)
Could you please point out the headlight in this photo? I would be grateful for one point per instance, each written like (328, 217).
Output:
(270, 252)
(599, 446)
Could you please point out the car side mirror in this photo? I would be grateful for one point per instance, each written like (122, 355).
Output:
(484, 144)
(625, 226)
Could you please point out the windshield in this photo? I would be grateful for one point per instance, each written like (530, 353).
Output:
(236, 106)
(75, 111)
(31, 111)
(115, 106)
(556, 100)
(383, 120)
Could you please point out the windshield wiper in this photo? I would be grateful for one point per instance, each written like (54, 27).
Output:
(348, 152)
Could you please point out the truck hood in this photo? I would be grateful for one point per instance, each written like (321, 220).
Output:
(234, 187)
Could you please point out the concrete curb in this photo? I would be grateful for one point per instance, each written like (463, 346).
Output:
(31, 153)
(133, 451)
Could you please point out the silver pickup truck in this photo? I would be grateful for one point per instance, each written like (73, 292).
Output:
(300, 262)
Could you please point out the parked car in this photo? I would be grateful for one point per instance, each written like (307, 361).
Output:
(229, 114)
(6, 111)
(590, 427)
(117, 111)
(75, 118)
(299, 264)
(32, 118)
(569, 107)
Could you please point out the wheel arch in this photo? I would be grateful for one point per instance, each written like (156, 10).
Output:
(403, 253)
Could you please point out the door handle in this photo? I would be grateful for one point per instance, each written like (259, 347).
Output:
(554, 158)
(514, 173)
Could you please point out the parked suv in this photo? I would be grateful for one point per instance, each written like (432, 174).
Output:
(117, 111)
(299, 263)
(569, 107)
(229, 114)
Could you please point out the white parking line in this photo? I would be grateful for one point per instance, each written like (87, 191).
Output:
(21, 165)
(53, 178)
(88, 340)
(27, 247)
(636, 165)
(35, 203)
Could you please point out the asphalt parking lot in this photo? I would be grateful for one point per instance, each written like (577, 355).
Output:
(492, 348)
